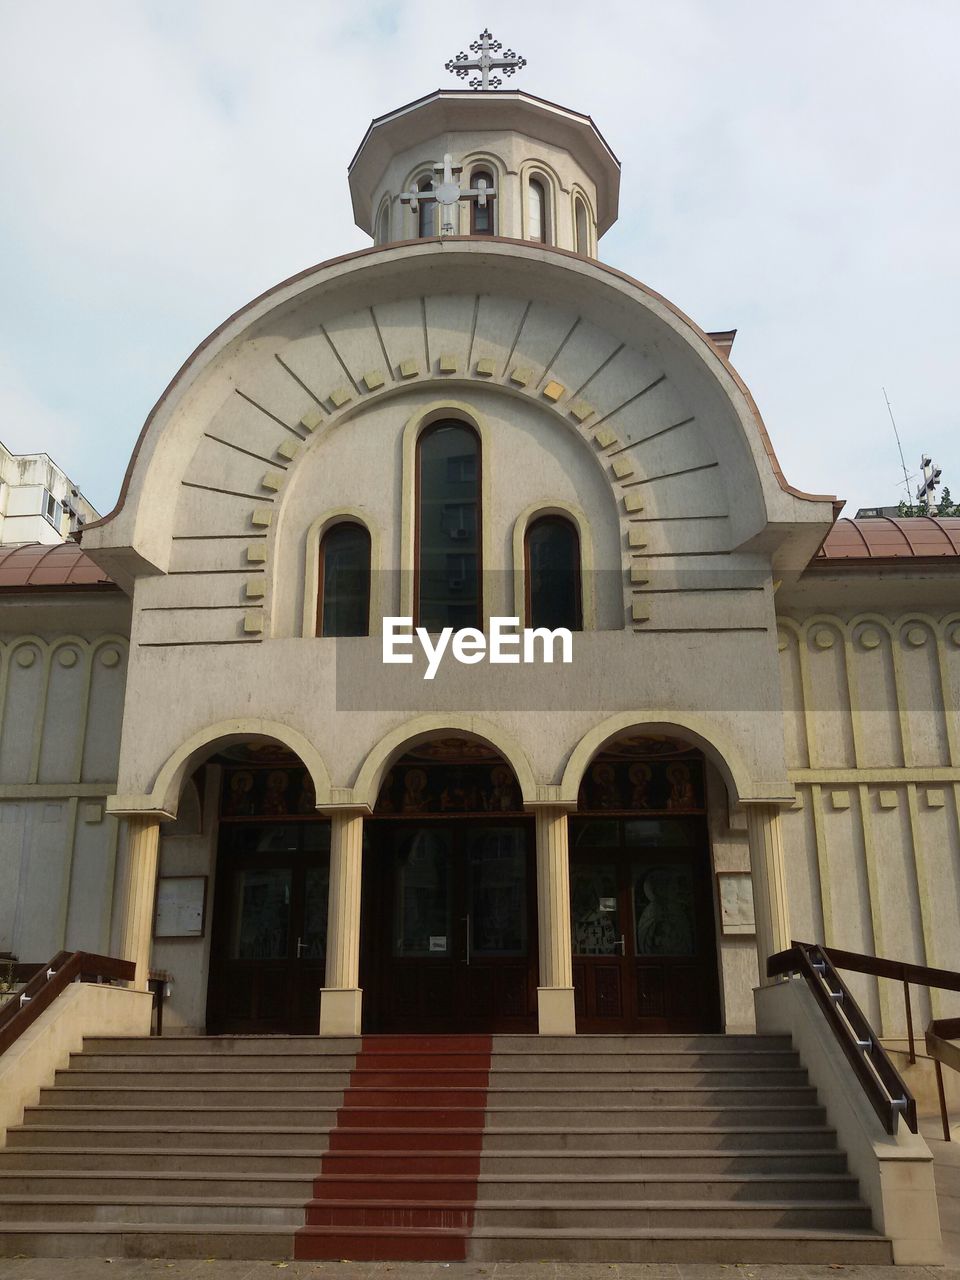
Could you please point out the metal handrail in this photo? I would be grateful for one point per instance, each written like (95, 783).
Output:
(881, 1082)
(24, 1007)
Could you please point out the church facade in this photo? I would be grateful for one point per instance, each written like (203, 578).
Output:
(207, 765)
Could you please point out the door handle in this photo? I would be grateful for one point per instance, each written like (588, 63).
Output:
(621, 942)
(301, 947)
(467, 919)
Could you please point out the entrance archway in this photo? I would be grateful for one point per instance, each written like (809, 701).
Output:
(448, 920)
(641, 891)
(269, 926)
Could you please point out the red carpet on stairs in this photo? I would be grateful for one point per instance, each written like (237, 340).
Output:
(400, 1178)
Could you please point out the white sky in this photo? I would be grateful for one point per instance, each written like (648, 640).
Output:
(790, 170)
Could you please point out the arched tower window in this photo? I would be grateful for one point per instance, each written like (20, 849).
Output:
(552, 564)
(582, 227)
(482, 221)
(427, 209)
(343, 598)
(536, 211)
(383, 224)
(447, 583)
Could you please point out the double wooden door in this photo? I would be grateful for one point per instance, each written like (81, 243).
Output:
(268, 949)
(448, 926)
(644, 938)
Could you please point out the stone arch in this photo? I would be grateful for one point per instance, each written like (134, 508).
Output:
(411, 732)
(165, 796)
(715, 743)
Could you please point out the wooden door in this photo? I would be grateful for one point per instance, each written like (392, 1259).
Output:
(268, 946)
(644, 940)
(449, 930)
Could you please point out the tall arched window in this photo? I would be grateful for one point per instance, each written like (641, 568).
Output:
(447, 586)
(426, 209)
(552, 564)
(536, 211)
(383, 224)
(582, 227)
(343, 597)
(482, 221)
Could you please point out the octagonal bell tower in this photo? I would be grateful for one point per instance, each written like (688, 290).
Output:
(485, 163)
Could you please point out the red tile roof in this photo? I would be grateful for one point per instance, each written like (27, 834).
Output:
(887, 538)
(38, 567)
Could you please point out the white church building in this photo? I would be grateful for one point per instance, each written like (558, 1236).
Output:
(510, 924)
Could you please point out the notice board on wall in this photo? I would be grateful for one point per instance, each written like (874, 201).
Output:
(181, 907)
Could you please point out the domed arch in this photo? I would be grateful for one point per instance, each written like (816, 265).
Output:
(712, 739)
(422, 729)
(164, 798)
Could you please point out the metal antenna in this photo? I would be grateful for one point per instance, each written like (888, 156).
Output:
(903, 464)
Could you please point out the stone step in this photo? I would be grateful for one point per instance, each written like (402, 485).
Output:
(586, 1079)
(220, 1137)
(614, 1060)
(135, 1184)
(626, 1117)
(204, 1116)
(222, 1046)
(183, 1095)
(239, 1064)
(205, 1077)
(597, 1216)
(179, 1211)
(698, 1143)
(144, 1240)
(633, 1044)
(588, 1165)
(574, 1189)
(267, 1161)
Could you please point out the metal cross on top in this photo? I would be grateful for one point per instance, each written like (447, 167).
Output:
(448, 193)
(485, 47)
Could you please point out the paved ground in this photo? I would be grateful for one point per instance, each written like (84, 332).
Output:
(946, 1159)
(123, 1269)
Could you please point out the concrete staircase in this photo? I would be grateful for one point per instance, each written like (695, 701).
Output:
(602, 1148)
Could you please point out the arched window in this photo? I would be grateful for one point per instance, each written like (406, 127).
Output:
(482, 221)
(426, 209)
(536, 211)
(552, 564)
(383, 224)
(447, 586)
(582, 227)
(343, 597)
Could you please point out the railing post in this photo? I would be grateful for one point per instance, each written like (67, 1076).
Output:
(906, 1001)
(944, 1118)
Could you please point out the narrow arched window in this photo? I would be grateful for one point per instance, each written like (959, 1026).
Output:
(343, 598)
(536, 211)
(582, 226)
(383, 225)
(481, 215)
(552, 556)
(447, 586)
(426, 210)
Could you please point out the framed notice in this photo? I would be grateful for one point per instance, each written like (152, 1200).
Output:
(735, 890)
(181, 907)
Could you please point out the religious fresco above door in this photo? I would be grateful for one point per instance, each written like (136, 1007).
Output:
(449, 776)
(644, 774)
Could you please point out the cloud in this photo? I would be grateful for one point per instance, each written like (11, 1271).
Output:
(787, 169)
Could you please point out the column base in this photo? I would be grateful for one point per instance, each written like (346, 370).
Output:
(340, 1011)
(556, 1011)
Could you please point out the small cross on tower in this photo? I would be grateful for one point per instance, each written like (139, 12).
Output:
(448, 193)
(485, 47)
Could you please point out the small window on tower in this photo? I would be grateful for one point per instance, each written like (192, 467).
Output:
(383, 224)
(481, 208)
(583, 232)
(536, 211)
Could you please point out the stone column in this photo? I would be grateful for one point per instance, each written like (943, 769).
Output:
(768, 872)
(340, 999)
(555, 993)
(136, 934)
